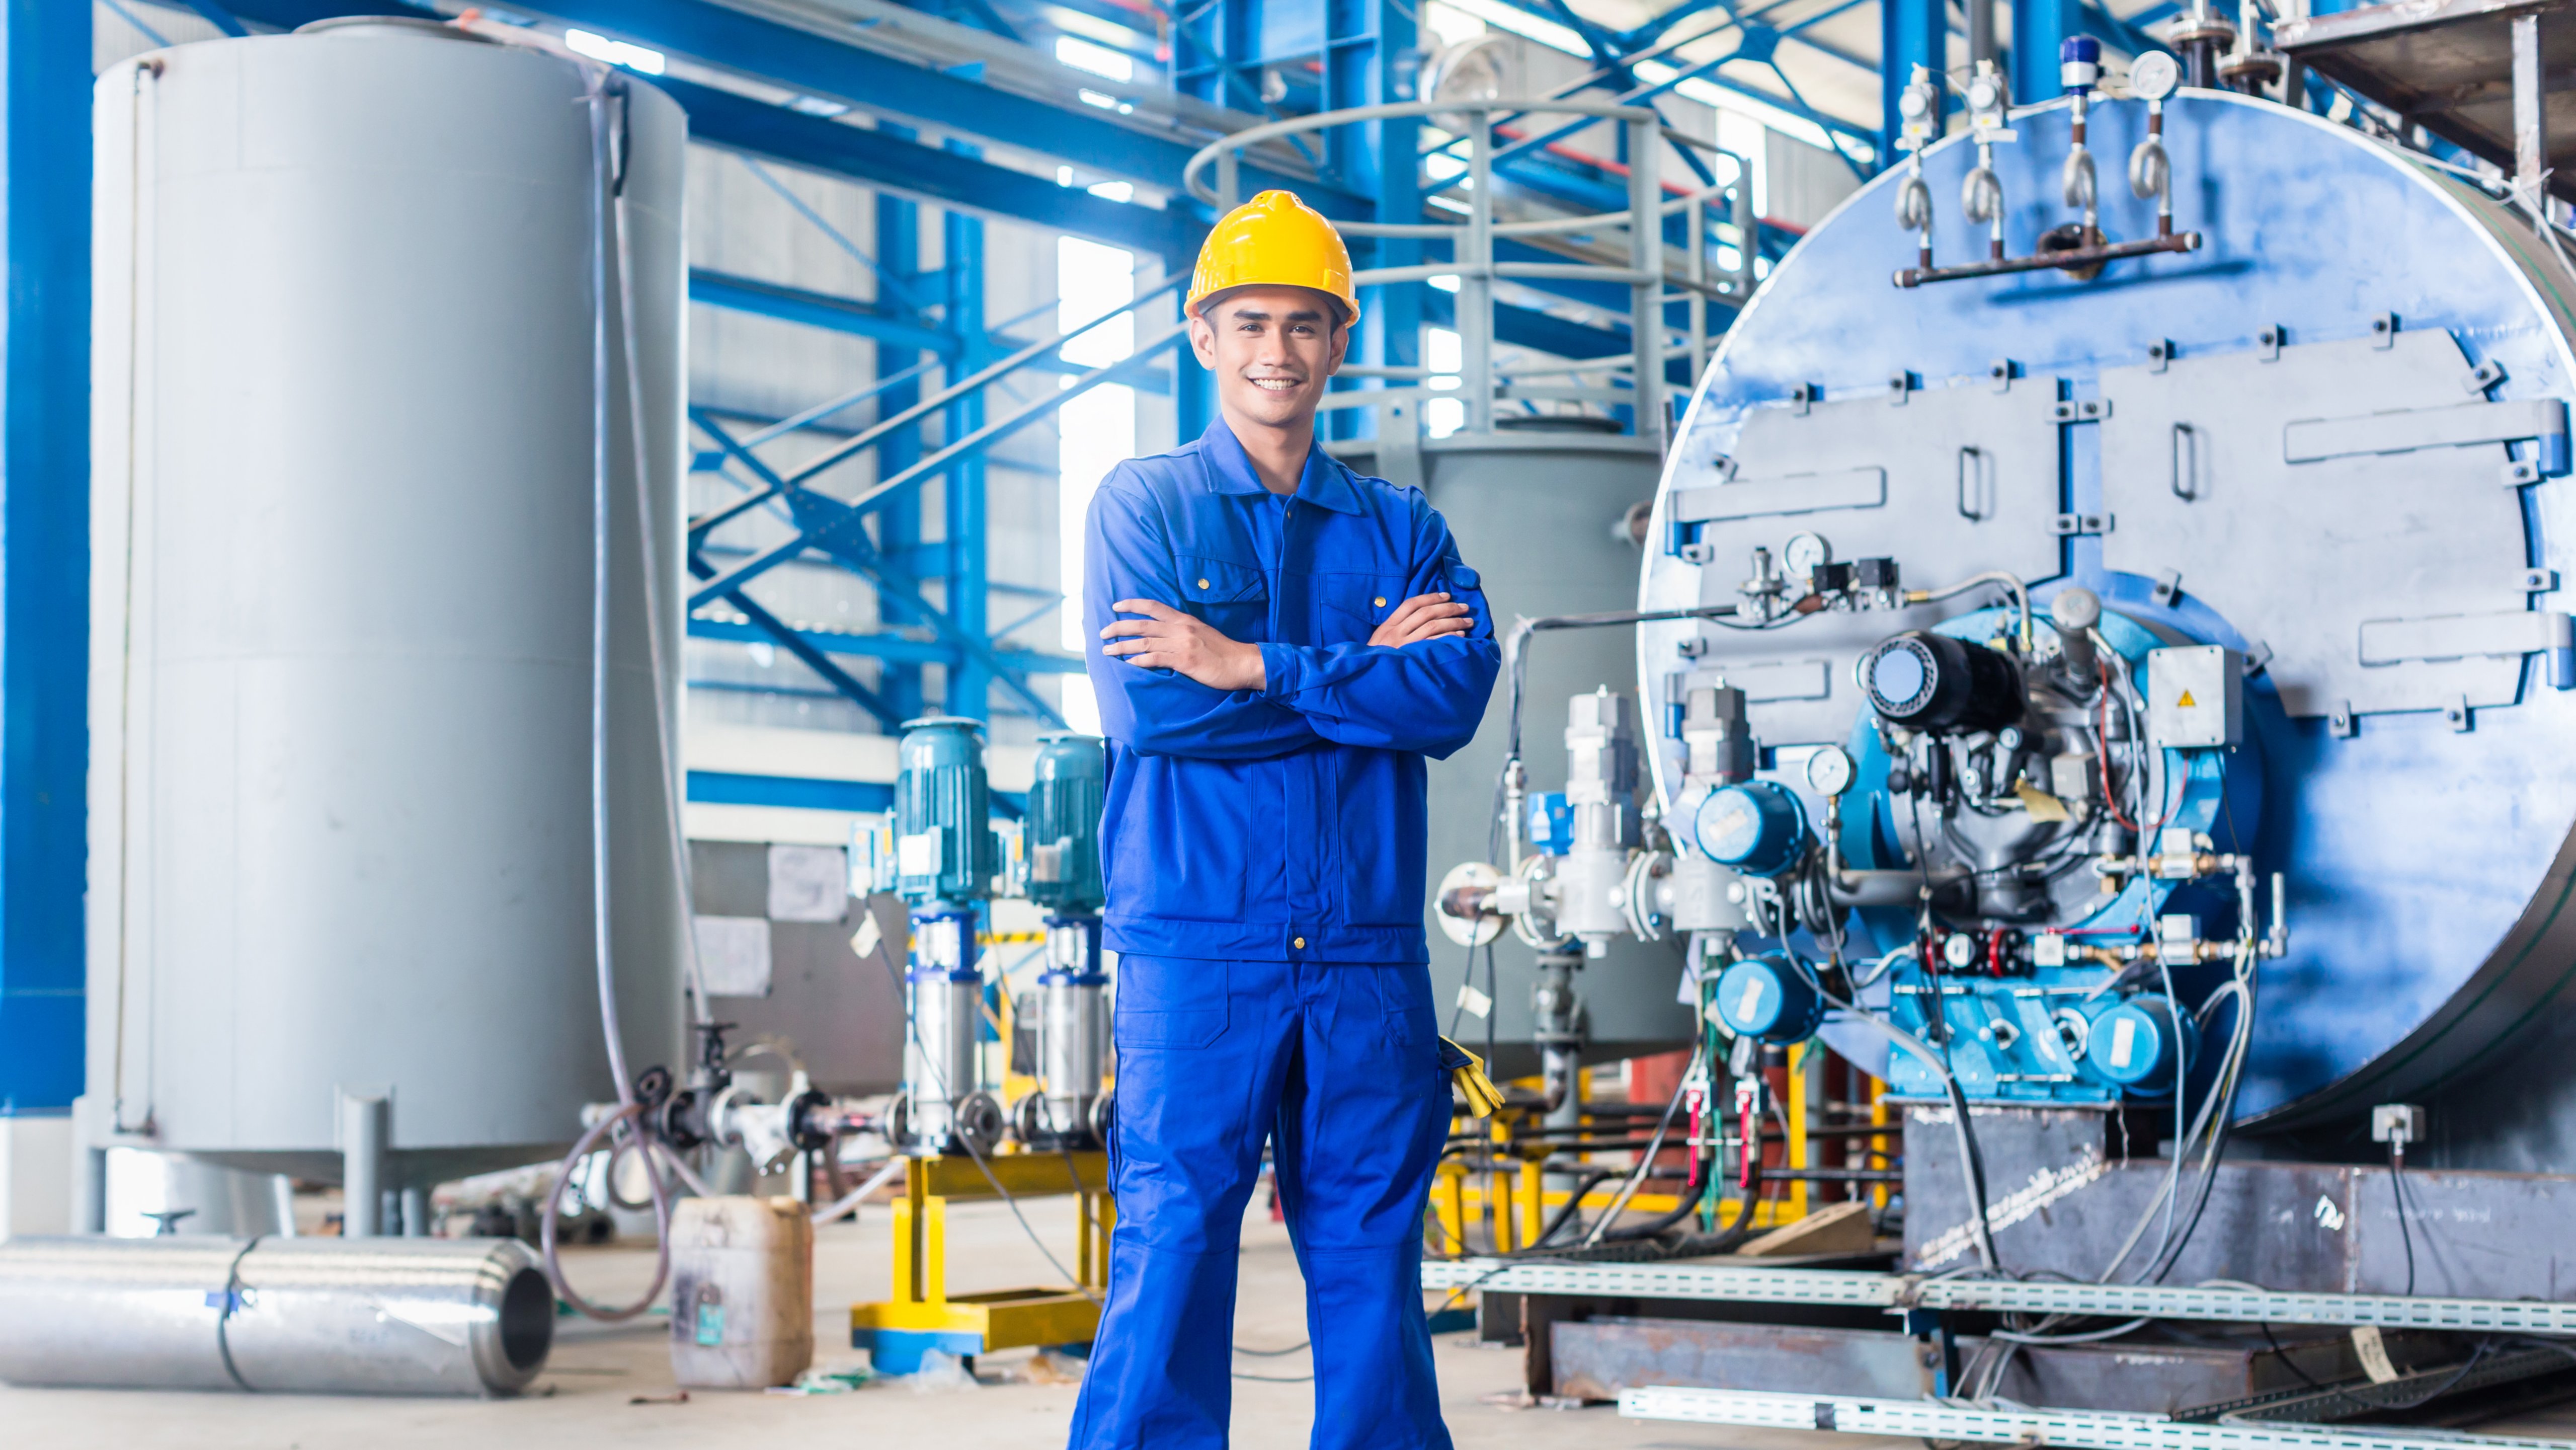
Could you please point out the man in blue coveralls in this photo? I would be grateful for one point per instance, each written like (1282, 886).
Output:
(1279, 642)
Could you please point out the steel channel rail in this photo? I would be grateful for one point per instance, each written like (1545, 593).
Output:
(1998, 1296)
(2070, 1429)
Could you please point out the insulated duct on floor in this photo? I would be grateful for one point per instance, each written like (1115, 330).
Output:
(302, 1315)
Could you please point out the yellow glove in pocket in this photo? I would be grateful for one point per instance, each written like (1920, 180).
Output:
(1467, 1071)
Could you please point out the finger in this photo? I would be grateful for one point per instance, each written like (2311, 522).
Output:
(1151, 609)
(1126, 627)
(1436, 629)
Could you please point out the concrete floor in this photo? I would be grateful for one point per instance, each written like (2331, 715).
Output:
(616, 1381)
(597, 1374)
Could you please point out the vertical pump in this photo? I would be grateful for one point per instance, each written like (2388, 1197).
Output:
(1063, 837)
(945, 860)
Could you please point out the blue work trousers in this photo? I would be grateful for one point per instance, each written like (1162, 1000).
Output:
(1339, 1067)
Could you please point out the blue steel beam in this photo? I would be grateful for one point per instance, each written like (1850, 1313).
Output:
(860, 318)
(840, 530)
(795, 792)
(815, 309)
(1911, 33)
(778, 632)
(961, 260)
(2037, 28)
(898, 244)
(1364, 42)
(813, 62)
(897, 648)
(925, 173)
(44, 549)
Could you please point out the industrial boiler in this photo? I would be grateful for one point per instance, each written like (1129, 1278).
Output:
(2103, 663)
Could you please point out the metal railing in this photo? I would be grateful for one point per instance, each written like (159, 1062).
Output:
(1647, 270)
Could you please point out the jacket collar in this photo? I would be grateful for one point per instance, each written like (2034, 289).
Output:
(1325, 483)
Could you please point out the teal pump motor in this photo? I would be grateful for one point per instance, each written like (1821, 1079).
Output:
(945, 858)
(1062, 835)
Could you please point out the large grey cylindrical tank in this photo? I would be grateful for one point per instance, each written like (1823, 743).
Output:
(341, 630)
(1532, 508)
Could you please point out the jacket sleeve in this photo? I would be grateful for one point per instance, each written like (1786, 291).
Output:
(1160, 712)
(1426, 697)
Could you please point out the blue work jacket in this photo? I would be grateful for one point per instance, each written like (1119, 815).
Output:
(1286, 823)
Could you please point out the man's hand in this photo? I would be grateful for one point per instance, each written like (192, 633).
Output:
(1168, 639)
(1424, 616)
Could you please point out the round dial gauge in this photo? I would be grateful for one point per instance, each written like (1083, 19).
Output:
(1829, 770)
(2153, 76)
(1804, 552)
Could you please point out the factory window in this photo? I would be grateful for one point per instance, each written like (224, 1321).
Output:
(1100, 60)
(1442, 352)
(1095, 432)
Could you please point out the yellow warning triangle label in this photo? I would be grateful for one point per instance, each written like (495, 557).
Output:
(2186, 702)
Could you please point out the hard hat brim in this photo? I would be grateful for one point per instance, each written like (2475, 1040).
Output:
(1348, 311)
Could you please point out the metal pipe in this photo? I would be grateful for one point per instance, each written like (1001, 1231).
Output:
(304, 1315)
(366, 1127)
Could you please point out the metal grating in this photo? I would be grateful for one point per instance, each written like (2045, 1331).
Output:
(1894, 1291)
(2068, 1429)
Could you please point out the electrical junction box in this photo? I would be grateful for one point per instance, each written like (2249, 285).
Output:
(2195, 697)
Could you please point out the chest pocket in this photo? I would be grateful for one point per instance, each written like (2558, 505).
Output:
(1232, 597)
(1354, 605)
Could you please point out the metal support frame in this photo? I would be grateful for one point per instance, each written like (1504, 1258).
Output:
(1911, 33)
(1896, 1292)
(2038, 26)
(962, 264)
(44, 550)
(1934, 1420)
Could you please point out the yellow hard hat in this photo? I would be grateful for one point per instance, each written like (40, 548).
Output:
(1274, 240)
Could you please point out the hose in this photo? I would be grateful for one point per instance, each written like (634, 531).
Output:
(629, 1112)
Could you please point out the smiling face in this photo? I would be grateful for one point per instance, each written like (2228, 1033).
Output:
(1272, 349)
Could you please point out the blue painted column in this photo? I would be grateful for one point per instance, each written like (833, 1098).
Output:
(899, 519)
(44, 551)
(1368, 61)
(2037, 28)
(969, 551)
(1911, 33)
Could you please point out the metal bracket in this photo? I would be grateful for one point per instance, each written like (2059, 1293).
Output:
(2520, 471)
(1802, 396)
(1901, 385)
(2159, 353)
(2539, 581)
(2081, 410)
(1699, 553)
(2267, 343)
(2482, 377)
(2341, 723)
(1693, 647)
(2457, 712)
(2065, 525)
(2001, 373)
(2383, 331)
(2258, 657)
(2168, 588)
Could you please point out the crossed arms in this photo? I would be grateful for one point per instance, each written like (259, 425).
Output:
(1169, 683)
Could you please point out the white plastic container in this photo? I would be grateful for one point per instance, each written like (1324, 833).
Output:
(742, 1292)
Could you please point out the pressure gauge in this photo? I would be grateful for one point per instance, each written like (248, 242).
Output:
(1829, 770)
(1804, 552)
(2153, 76)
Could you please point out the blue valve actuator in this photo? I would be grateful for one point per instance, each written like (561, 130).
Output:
(1770, 1000)
(1756, 827)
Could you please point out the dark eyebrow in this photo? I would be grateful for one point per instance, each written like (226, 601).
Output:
(1301, 314)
